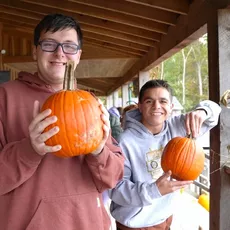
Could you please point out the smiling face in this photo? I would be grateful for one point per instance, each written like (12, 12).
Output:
(51, 65)
(156, 107)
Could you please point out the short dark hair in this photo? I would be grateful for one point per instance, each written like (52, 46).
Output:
(155, 84)
(56, 22)
(120, 110)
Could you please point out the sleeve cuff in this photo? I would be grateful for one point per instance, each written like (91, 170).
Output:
(29, 155)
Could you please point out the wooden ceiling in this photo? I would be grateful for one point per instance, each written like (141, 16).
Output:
(121, 37)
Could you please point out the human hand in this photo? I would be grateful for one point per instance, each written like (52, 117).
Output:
(166, 186)
(106, 128)
(37, 126)
(194, 121)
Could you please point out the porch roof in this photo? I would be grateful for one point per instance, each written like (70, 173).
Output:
(121, 37)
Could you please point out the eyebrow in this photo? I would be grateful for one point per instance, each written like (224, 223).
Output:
(51, 39)
(150, 98)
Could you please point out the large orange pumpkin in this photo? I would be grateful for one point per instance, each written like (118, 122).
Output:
(79, 118)
(184, 157)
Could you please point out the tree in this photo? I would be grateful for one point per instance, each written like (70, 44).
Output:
(187, 73)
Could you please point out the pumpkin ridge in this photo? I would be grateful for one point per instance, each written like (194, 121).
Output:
(77, 112)
(169, 157)
(92, 112)
(176, 155)
(187, 157)
(57, 123)
(75, 123)
(193, 157)
(181, 157)
(61, 98)
(82, 103)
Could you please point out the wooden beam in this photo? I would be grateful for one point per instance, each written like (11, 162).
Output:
(114, 47)
(176, 6)
(13, 7)
(104, 38)
(128, 8)
(91, 51)
(82, 86)
(118, 35)
(18, 20)
(17, 59)
(189, 28)
(219, 82)
(130, 38)
(17, 32)
(19, 12)
(214, 220)
(1, 45)
(102, 14)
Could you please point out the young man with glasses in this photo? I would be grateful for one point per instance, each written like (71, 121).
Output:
(37, 189)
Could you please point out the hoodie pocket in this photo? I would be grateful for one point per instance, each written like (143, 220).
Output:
(77, 212)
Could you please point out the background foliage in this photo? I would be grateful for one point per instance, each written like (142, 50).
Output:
(187, 73)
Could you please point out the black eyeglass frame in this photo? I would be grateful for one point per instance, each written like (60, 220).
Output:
(59, 44)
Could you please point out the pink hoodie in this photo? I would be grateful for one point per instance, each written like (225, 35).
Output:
(48, 193)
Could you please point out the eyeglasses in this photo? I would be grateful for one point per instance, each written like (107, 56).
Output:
(51, 46)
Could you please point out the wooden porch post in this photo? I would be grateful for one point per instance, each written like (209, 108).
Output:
(219, 82)
(1, 45)
(125, 94)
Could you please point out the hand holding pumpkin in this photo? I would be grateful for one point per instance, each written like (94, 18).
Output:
(166, 186)
(36, 128)
(106, 128)
(194, 121)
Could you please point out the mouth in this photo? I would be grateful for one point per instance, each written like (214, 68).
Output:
(58, 63)
(156, 114)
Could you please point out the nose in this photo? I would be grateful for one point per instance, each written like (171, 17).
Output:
(59, 50)
(156, 104)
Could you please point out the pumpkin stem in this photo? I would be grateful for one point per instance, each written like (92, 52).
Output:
(69, 79)
(190, 136)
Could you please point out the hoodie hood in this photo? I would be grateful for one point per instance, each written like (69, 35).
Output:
(133, 122)
(114, 111)
(34, 81)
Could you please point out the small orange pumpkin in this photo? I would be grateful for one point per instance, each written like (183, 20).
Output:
(203, 200)
(78, 118)
(184, 157)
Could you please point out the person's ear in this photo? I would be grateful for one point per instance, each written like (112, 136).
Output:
(35, 53)
(139, 107)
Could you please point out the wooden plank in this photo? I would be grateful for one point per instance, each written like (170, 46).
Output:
(188, 28)
(118, 35)
(176, 6)
(18, 33)
(129, 8)
(17, 59)
(114, 47)
(23, 44)
(83, 19)
(33, 22)
(219, 82)
(103, 14)
(19, 12)
(1, 46)
(104, 38)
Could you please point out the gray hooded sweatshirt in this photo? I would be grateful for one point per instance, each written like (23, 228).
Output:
(136, 200)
